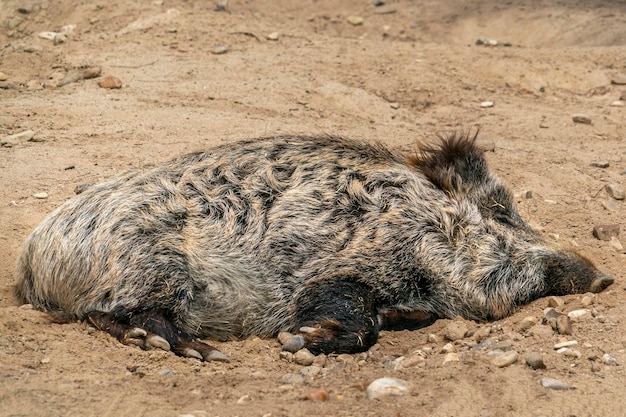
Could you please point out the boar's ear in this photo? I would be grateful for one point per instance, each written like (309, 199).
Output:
(453, 165)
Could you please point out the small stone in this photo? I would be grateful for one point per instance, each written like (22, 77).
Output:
(541, 331)
(290, 342)
(587, 300)
(526, 324)
(45, 360)
(481, 334)
(448, 347)
(616, 244)
(555, 384)
(167, 373)
(320, 360)
(600, 164)
(219, 49)
(619, 79)
(617, 103)
(27, 8)
(606, 231)
(310, 370)
(11, 140)
(41, 196)
(535, 360)
(555, 302)
(616, 191)
(505, 359)
(434, 338)
(394, 106)
(386, 387)
(569, 352)
(286, 356)
(564, 325)
(609, 360)
(455, 330)
(291, 379)
(315, 395)
(3, 76)
(413, 361)
(273, 36)
(610, 205)
(450, 357)
(244, 399)
(355, 20)
(581, 118)
(492, 42)
(486, 104)
(110, 82)
(565, 344)
(303, 357)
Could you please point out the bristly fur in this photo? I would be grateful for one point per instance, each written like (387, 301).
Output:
(325, 237)
(455, 163)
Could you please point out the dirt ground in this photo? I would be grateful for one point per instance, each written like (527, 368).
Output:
(401, 72)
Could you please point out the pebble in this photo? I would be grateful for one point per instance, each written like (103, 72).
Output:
(291, 379)
(606, 231)
(219, 49)
(616, 191)
(3, 76)
(41, 196)
(617, 103)
(526, 324)
(167, 373)
(286, 356)
(535, 360)
(244, 399)
(450, 357)
(505, 359)
(310, 370)
(576, 314)
(455, 330)
(11, 140)
(386, 387)
(355, 20)
(110, 82)
(609, 360)
(434, 338)
(564, 324)
(486, 104)
(447, 348)
(303, 357)
(600, 164)
(290, 343)
(315, 395)
(581, 118)
(610, 205)
(320, 360)
(481, 334)
(555, 302)
(565, 344)
(273, 36)
(569, 352)
(541, 331)
(616, 244)
(619, 79)
(413, 361)
(555, 384)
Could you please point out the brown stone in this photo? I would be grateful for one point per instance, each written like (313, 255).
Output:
(110, 82)
(606, 231)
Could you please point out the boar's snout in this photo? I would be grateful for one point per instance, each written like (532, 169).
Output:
(600, 282)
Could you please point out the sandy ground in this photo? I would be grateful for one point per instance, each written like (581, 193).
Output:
(407, 71)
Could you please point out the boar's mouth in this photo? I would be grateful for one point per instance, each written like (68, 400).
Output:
(571, 273)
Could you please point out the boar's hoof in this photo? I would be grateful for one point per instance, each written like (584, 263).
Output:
(154, 341)
(151, 330)
(600, 283)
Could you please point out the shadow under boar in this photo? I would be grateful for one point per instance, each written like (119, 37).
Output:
(328, 239)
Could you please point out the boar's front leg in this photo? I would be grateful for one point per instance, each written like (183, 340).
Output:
(333, 316)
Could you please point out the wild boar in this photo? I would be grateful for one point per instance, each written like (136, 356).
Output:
(326, 238)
